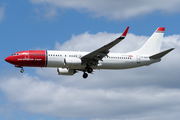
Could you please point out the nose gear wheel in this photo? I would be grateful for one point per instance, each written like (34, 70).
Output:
(22, 70)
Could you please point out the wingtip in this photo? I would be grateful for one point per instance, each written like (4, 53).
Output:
(125, 32)
(172, 48)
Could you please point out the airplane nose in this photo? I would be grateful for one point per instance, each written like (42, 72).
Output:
(8, 59)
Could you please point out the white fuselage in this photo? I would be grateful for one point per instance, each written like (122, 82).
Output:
(112, 61)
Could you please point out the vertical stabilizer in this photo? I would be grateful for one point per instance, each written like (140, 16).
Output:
(153, 45)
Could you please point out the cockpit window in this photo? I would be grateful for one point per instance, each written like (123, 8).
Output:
(15, 54)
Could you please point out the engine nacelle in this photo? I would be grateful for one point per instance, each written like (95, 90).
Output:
(72, 61)
(65, 71)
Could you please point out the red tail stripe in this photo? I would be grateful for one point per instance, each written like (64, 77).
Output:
(161, 29)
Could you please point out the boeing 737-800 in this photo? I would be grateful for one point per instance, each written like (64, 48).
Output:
(69, 62)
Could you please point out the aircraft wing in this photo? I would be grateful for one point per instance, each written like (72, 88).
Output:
(103, 51)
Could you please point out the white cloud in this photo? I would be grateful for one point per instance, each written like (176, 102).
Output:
(136, 94)
(115, 9)
(2, 13)
(48, 12)
(48, 97)
(89, 42)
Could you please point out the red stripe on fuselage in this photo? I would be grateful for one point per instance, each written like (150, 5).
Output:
(29, 58)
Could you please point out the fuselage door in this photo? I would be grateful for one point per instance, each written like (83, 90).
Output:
(138, 58)
(26, 54)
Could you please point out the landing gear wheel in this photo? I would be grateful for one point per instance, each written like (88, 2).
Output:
(85, 75)
(22, 70)
(89, 70)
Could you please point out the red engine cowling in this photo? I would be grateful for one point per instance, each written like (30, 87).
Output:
(65, 71)
(72, 61)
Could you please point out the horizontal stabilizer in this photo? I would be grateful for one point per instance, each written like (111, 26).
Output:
(161, 54)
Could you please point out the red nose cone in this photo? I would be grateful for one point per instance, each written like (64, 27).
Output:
(8, 59)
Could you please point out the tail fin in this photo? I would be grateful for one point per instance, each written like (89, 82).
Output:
(153, 45)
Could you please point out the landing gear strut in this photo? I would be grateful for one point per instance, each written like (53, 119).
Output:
(22, 70)
(85, 75)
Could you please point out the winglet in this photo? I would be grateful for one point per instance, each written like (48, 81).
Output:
(125, 32)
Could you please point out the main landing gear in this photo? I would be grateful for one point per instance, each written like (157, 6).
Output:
(89, 70)
(22, 70)
(85, 75)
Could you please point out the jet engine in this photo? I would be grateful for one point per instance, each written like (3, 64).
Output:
(72, 61)
(65, 71)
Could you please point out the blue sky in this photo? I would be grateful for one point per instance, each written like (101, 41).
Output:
(63, 25)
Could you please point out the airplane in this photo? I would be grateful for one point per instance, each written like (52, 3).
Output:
(70, 62)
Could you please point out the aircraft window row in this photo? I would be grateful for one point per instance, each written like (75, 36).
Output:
(37, 54)
(55, 55)
(61, 55)
(72, 55)
(119, 57)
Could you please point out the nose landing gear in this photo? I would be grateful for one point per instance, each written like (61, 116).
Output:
(22, 70)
